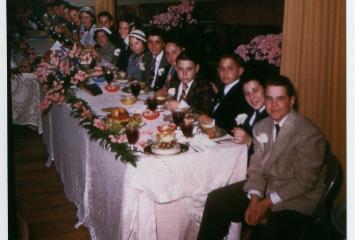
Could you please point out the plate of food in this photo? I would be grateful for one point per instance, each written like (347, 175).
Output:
(128, 100)
(213, 131)
(150, 115)
(166, 127)
(166, 144)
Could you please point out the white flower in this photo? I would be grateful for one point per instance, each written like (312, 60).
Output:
(171, 92)
(240, 119)
(262, 138)
(117, 52)
(161, 71)
(141, 66)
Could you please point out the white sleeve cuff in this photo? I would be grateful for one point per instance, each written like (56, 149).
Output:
(275, 198)
(254, 192)
(183, 104)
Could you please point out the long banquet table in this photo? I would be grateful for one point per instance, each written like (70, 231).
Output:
(162, 198)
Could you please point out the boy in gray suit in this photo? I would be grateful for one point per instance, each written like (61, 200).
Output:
(285, 179)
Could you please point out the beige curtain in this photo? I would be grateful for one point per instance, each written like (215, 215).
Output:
(105, 5)
(313, 56)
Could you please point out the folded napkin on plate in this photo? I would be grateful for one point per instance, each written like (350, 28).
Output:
(202, 140)
(199, 140)
(137, 109)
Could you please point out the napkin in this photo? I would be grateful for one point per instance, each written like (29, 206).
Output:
(202, 140)
(56, 46)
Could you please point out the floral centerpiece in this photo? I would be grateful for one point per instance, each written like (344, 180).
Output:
(176, 16)
(262, 48)
(59, 76)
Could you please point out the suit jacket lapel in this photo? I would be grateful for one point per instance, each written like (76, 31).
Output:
(283, 138)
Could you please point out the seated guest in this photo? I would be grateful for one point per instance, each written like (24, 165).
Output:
(192, 91)
(155, 74)
(105, 48)
(173, 48)
(123, 44)
(285, 180)
(87, 30)
(253, 89)
(136, 65)
(74, 16)
(230, 100)
(105, 19)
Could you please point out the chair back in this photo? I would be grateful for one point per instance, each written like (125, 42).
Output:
(333, 180)
(321, 225)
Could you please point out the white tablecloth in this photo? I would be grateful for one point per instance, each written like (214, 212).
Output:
(25, 97)
(162, 198)
(25, 89)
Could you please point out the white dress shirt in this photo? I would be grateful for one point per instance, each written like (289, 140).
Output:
(157, 63)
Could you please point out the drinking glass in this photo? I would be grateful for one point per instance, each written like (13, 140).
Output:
(152, 103)
(108, 75)
(135, 88)
(178, 117)
(187, 127)
(132, 134)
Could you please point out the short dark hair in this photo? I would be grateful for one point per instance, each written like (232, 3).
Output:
(253, 76)
(156, 32)
(236, 58)
(282, 81)
(189, 56)
(105, 14)
(178, 42)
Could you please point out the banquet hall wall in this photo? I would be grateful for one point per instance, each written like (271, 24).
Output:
(316, 62)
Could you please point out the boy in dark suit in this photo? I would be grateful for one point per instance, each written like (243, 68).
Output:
(155, 60)
(230, 99)
(192, 91)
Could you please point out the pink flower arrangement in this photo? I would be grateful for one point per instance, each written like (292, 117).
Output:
(51, 74)
(118, 138)
(262, 48)
(176, 16)
(78, 77)
(100, 124)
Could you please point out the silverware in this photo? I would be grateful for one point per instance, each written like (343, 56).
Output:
(224, 141)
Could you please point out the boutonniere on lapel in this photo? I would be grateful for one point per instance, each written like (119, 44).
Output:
(171, 92)
(240, 119)
(117, 52)
(262, 138)
(161, 71)
(141, 66)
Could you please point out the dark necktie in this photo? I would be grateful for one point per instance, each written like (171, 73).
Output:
(277, 127)
(257, 115)
(152, 71)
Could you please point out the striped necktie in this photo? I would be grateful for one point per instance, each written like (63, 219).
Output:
(183, 93)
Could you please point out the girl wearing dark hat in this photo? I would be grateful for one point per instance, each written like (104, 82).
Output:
(87, 30)
(138, 45)
(104, 48)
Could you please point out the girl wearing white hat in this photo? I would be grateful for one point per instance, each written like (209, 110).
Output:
(138, 45)
(87, 29)
(104, 48)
